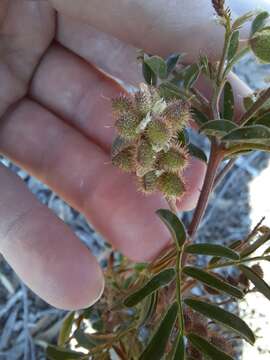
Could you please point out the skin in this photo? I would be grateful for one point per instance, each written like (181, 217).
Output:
(56, 124)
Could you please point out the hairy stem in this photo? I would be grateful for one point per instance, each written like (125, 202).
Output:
(216, 156)
(223, 172)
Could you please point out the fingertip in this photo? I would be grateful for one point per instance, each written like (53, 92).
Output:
(194, 177)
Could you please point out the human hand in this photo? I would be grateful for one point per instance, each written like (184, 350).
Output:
(55, 111)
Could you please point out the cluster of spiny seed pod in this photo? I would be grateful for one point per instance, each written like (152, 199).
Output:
(147, 144)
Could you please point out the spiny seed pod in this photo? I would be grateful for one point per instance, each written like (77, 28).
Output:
(173, 160)
(243, 280)
(222, 344)
(148, 182)
(158, 133)
(193, 353)
(177, 114)
(171, 185)
(124, 160)
(257, 269)
(145, 156)
(145, 99)
(127, 125)
(260, 45)
(232, 280)
(121, 105)
(118, 145)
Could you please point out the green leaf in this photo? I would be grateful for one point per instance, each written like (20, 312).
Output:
(157, 65)
(58, 353)
(149, 308)
(85, 340)
(238, 56)
(263, 120)
(169, 91)
(157, 345)
(254, 134)
(149, 76)
(218, 127)
(228, 102)
(207, 349)
(175, 226)
(242, 20)
(233, 47)
(199, 117)
(233, 246)
(259, 22)
(191, 75)
(212, 250)
(178, 351)
(258, 282)
(66, 328)
(224, 317)
(172, 61)
(182, 138)
(213, 281)
(196, 152)
(158, 281)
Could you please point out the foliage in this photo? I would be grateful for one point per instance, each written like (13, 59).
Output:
(147, 311)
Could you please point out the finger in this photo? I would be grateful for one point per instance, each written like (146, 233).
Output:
(160, 27)
(80, 172)
(43, 250)
(102, 50)
(194, 173)
(77, 93)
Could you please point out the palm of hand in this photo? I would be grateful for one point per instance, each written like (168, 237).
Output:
(55, 112)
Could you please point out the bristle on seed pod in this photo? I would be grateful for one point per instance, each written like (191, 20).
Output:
(145, 155)
(173, 160)
(171, 185)
(121, 105)
(177, 114)
(124, 160)
(158, 133)
(127, 125)
(148, 182)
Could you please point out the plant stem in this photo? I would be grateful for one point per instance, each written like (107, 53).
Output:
(178, 291)
(255, 107)
(216, 156)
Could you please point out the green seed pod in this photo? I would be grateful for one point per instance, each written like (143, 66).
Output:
(118, 145)
(177, 114)
(148, 182)
(258, 270)
(121, 105)
(171, 185)
(260, 45)
(146, 98)
(145, 156)
(173, 160)
(158, 133)
(124, 160)
(127, 125)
